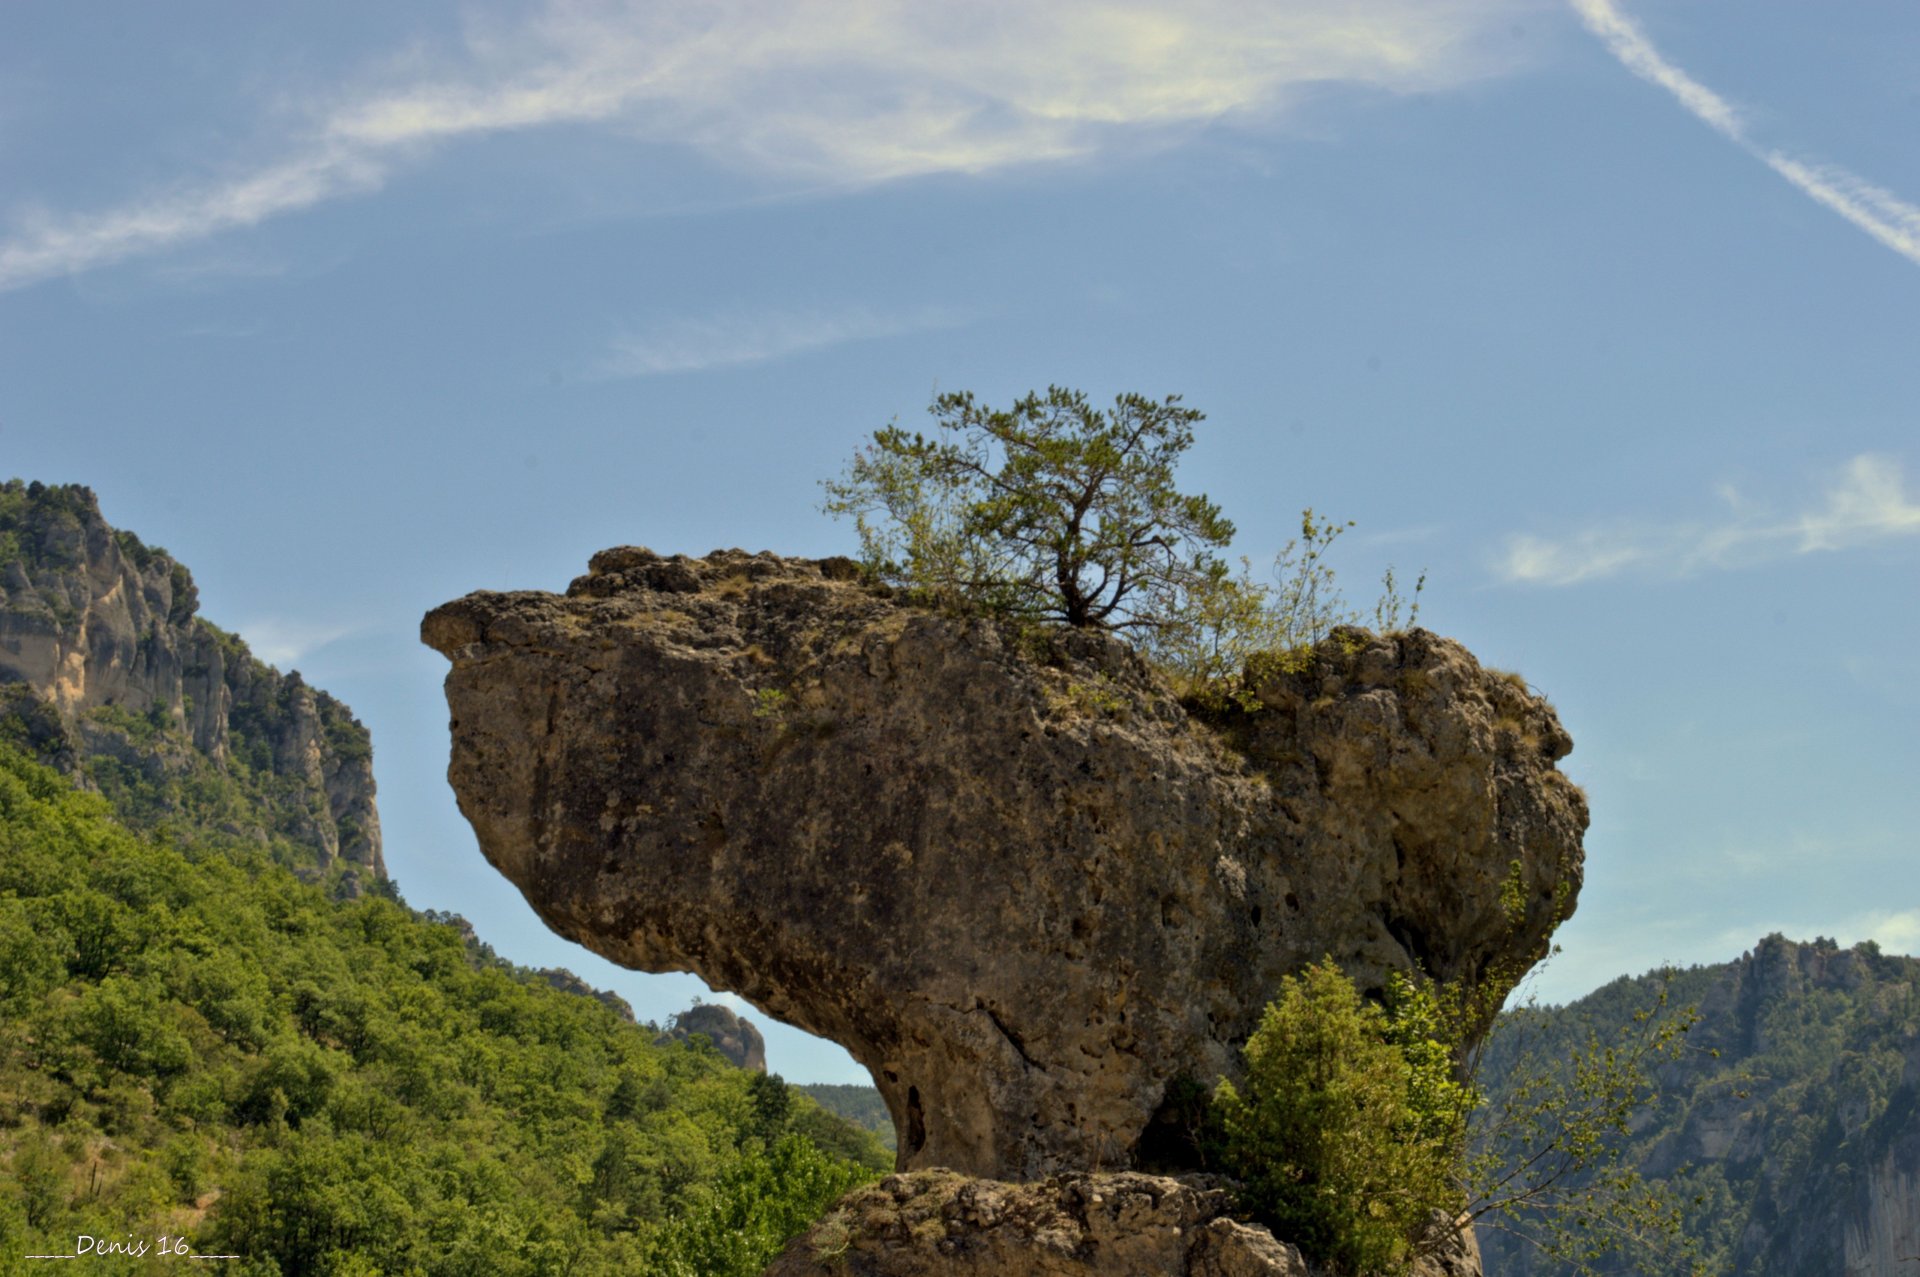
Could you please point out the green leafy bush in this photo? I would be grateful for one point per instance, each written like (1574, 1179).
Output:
(1349, 1131)
(1551, 1179)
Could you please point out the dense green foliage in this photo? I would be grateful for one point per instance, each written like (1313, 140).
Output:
(1764, 1129)
(1348, 1132)
(36, 520)
(1363, 1132)
(195, 1043)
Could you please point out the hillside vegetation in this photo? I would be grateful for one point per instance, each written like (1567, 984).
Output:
(1781, 1128)
(194, 1043)
(860, 1105)
(108, 674)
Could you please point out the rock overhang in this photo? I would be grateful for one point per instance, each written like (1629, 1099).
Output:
(1016, 878)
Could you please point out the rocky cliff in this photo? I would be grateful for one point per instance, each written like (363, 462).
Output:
(106, 671)
(1790, 1126)
(1036, 896)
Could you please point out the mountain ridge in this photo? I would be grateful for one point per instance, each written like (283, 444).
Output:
(108, 673)
(1790, 1123)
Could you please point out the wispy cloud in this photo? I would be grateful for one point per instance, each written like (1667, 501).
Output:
(1867, 502)
(284, 642)
(837, 90)
(1896, 932)
(1878, 212)
(728, 341)
(47, 245)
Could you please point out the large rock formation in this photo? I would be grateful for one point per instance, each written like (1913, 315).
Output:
(732, 1035)
(106, 672)
(1022, 884)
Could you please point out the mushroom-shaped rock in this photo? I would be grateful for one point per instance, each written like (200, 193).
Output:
(1014, 876)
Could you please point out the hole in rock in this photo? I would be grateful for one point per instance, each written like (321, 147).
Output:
(916, 1122)
(1171, 1143)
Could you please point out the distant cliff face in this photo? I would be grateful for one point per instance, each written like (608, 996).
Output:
(1882, 1227)
(106, 671)
(1793, 1116)
(1024, 887)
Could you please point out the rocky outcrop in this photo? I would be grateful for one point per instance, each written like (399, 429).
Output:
(1847, 1200)
(1125, 1224)
(1036, 896)
(1881, 1232)
(939, 1224)
(114, 672)
(732, 1035)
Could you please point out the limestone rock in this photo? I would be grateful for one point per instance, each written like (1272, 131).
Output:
(732, 1035)
(1113, 1224)
(938, 1224)
(106, 659)
(1037, 897)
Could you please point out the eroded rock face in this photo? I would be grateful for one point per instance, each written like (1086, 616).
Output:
(1025, 887)
(102, 656)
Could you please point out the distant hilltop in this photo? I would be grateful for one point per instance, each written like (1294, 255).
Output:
(732, 1035)
(107, 674)
(1790, 1125)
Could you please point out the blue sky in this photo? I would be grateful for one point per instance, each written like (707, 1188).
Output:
(1604, 314)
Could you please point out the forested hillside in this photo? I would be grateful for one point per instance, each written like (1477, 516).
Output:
(1789, 1127)
(860, 1105)
(195, 1043)
(109, 674)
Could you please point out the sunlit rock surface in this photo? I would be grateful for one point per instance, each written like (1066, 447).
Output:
(103, 657)
(1017, 879)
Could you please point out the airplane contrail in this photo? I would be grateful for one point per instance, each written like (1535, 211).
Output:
(1875, 210)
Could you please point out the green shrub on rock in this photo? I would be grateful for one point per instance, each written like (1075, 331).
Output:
(1347, 1136)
